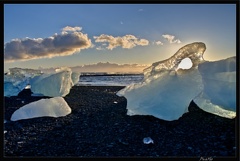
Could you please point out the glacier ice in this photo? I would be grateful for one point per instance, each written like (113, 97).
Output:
(75, 77)
(54, 84)
(167, 90)
(53, 107)
(219, 94)
(10, 89)
(192, 51)
(57, 84)
(23, 72)
(16, 79)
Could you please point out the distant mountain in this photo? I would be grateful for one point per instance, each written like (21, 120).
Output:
(105, 67)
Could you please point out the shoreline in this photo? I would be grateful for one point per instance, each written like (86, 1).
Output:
(99, 127)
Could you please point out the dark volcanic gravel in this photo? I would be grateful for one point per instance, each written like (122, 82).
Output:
(99, 127)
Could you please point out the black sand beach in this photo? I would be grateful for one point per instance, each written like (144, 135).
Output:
(99, 127)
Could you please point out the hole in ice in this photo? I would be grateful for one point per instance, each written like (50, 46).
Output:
(186, 63)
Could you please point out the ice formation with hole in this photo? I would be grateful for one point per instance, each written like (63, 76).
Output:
(167, 90)
(53, 107)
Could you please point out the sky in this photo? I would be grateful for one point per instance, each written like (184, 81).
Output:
(55, 35)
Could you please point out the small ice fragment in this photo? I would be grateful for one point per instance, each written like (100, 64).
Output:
(5, 121)
(5, 131)
(147, 140)
(115, 102)
(22, 101)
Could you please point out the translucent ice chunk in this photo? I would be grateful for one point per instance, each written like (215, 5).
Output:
(167, 90)
(147, 140)
(53, 107)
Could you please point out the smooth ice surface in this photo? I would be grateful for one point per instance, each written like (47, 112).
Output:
(75, 77)
(219, 94)
(53, 107)
(58, 84)
(167, 90)
(10, 89)
(55, 84)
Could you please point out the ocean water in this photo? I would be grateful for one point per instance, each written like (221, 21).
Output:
(109, 79)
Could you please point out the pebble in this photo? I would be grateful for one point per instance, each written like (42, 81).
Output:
(110, 146)
(122, 142)
(223, 153)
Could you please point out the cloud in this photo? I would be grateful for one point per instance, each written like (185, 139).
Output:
(100, 48)
(140, 10)
(70, 41)
(158, 43)
(127, 41)
(121, 22)
(170, 39)
(69, 28)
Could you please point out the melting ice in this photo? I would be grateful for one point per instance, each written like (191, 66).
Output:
(17, 79)
(51, 84)
(53, 107)
(167, 90)
(55, 85)
(219, 94)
